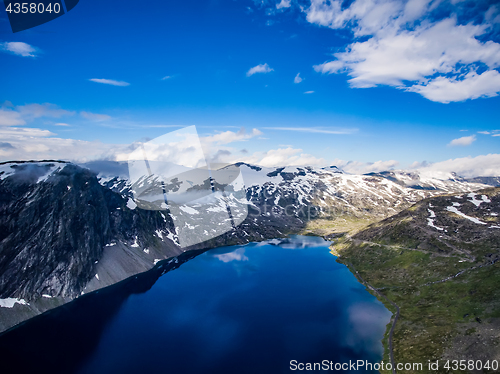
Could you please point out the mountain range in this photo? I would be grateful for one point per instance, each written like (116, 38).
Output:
(67, 230)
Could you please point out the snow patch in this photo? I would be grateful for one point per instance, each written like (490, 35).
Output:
(10, 302)
(456, 211)
(131, 204)
(484, 199)
(188, 209)
(430, 222)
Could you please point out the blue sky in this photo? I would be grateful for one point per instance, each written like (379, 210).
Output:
(391, 82)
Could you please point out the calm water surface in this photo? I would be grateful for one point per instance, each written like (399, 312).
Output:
(242, 309)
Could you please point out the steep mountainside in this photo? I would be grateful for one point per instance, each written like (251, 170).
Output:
(438, 262)
(67, 229)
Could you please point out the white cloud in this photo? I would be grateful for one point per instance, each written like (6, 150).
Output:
(110, 82)
(37, 144)
(283, 157)
(468, 167)
(19, 115)
(358, 167)
(317, 130)
(20, 133)
(95, 117)
(167, 77)
(297, 79)
(284, 4)
(19, 48)
(309, 92)
(230, 136)
(405, 49)
(463, 141)
(32, 111)
(263, 68)
(62, 124)
(484, 132)
(472, 86)
(9, 117)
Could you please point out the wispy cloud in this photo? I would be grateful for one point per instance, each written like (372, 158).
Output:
(411, 46)
(21, 114)
(284, 4)
(227, 137)
(298, 79)
(95, 116)
(167, 77)
(110, 82)
(19, 48)
(309, 92)
(317, 130)
(263, 68)
(62, 124)
(463, 141)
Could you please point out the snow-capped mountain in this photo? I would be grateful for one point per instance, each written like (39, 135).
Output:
(66, 230)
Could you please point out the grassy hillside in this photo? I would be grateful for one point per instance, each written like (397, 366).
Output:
(437, 261)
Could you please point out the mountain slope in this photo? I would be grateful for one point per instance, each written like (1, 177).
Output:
(437, 261)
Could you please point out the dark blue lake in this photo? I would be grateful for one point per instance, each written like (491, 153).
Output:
(242, 309)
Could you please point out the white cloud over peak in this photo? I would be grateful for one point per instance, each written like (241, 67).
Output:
(443, 60)
(110, 82)
(262, 68)
(468, 167)
(227, 137)
(463, 141)
(19, 48)
(358, 167)
(283, 157)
